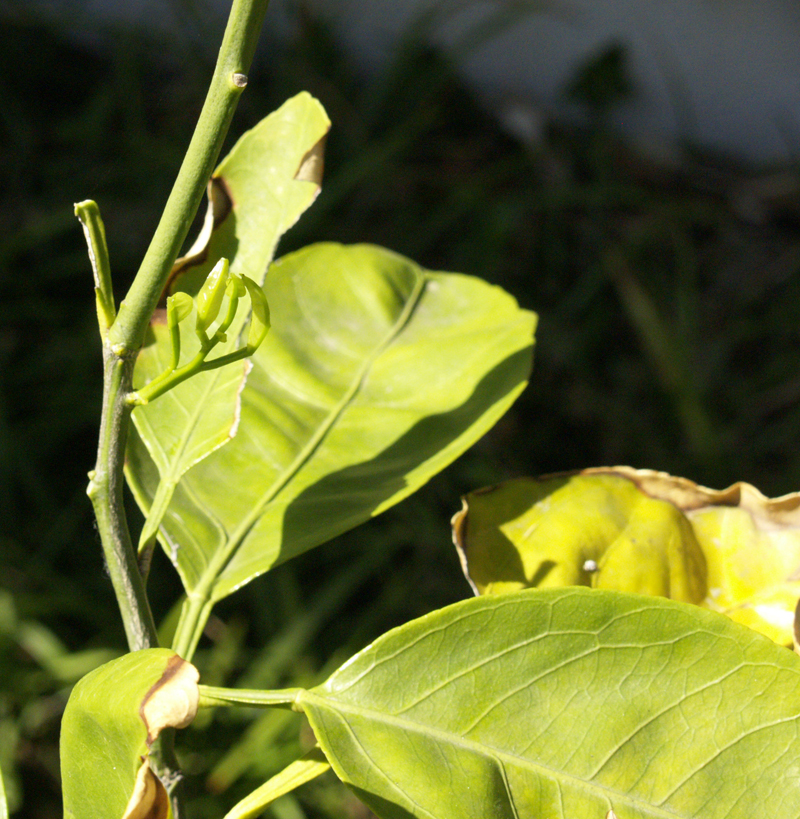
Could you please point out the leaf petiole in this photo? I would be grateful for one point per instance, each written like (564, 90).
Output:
(211, 697)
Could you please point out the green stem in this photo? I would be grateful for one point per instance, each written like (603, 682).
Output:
(167, 380)
(126, 334)
(106, 492)
(95, 232)
(227, 84)
(194, 615)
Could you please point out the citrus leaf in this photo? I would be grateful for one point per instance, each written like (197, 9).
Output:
(262, 187)
(566, 703)
(732, 551)
(3, 800)
(374, 376)
(112, 717)
(312, 765)
(258, 192)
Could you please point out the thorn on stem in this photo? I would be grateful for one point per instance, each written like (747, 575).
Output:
(239, 80)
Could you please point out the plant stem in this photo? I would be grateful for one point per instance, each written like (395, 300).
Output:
(227, 84)
(127, 332)
(105, 490)
(95, 233)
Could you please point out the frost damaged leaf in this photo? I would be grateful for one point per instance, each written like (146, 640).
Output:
(733, 551)
(113, 716)
(149, 799)
(172, 701)
(575, 530)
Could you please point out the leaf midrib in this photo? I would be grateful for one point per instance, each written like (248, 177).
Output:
(614, 797)
(221, 559)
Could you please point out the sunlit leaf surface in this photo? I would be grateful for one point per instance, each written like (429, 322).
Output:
(732, 551)
(374, 376)
(258, 192)
(566, 703)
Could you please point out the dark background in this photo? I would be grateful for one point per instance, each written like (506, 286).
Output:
(668, 302)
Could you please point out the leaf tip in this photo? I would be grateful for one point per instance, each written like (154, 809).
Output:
(172, 701)
(458, 524)
(312, 164)
(149, 799)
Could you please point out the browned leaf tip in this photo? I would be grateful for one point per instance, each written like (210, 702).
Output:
(172, 701)
(149, 799)
(313, 163)
(796, 629)
(458, 524)
(767, 513)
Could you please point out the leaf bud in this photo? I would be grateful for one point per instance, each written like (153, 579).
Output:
(179, 306)
(259, 322)
(209, 299)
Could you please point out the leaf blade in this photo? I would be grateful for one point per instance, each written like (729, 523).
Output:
(565, 703)
(374, 376)
(112, 716)
(732, 551)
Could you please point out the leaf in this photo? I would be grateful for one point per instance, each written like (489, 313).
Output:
(375, 375)
(257, 193)
(271, 176)
(112, 717)
(3, 801)
(566, 703)
(297, 773)
(732, 551)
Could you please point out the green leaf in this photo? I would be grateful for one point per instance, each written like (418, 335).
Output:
(187, 423)
(566, 703)
(257, 193)
(732, 551)
(112, 717)
(296, 774)
(3, 801)
(268, 180)
(374, 376)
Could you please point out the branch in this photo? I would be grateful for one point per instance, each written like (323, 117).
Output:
(126, 333)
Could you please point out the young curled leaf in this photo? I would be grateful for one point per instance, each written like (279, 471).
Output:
(259, 324)
(112, 718)
(179, 306)
(236, 287)
(209, 299)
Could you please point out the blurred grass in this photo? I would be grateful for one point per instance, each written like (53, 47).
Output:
(667, 290)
